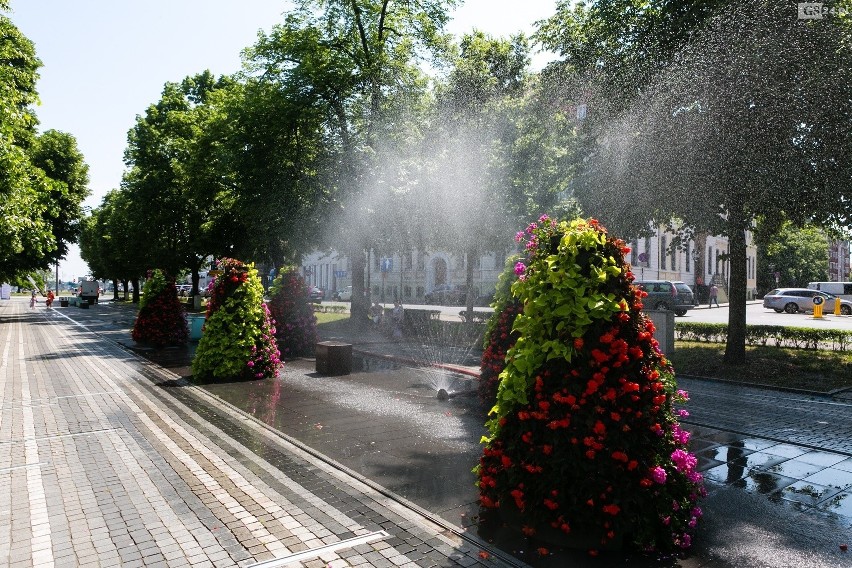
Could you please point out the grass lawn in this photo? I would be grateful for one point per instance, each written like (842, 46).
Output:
(820, 371)
(323, 318)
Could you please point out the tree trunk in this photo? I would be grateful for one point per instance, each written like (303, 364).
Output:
(360, 300)
(136, 290)
(195, 279)
(115, 289)
(735, 353)
(471, 254)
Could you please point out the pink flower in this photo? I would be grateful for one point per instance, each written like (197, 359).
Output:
(684, 461)
(520, 268)
(658, 474)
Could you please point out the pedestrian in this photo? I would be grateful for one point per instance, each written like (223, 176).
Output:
(398, 315)
(49, 301)
(33, 300)
(714, 295)
(376, 313)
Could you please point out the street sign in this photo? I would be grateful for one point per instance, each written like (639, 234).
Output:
(643, 257)
(340, 274)
(386, 264)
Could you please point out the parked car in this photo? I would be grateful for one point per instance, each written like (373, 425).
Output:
(316, 294)
(794, 300)
(343, 295)
(446, 295)
(668, 295)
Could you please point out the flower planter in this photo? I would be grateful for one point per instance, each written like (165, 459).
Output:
(578, 539)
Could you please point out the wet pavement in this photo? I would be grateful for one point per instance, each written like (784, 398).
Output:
(778, 465)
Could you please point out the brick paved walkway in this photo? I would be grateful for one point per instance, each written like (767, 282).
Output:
(101, 466)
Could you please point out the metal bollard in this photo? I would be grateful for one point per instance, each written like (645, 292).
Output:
(837, 306)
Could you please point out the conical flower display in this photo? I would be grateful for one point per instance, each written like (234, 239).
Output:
(584, 437)
(294, 317)
(238, 340)
(161, 320)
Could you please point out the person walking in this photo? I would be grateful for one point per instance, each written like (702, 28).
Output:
(33, 300)
(49, 301)
(714, 295)
(398, 315)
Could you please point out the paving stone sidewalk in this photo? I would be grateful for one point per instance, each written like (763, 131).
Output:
(101, 466)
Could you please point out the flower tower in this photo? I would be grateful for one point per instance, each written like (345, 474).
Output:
(499, 337)
(584, 440)
(161, 319)
(239, 335)
(294, 317)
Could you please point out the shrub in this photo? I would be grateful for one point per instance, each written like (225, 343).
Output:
(161, 319)
(294, 317)
(239, 334)
(585, 439)
(774, 335)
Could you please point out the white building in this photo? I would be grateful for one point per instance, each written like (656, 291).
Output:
(410, 275)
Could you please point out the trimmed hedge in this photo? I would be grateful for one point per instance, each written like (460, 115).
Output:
(772, 335)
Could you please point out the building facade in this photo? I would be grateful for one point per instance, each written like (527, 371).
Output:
(410, 275)
(838, 262)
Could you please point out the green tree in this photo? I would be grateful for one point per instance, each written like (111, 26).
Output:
(353, 61)
(273, 161)
(170, 181)
(25, 237)
(728, 120)
(108, 245)
(798, 255)
(57, 155)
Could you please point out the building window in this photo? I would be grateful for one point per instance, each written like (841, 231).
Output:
(663, 253)
(686, 256)
(634, 246)
(647, 252)
(709, 261)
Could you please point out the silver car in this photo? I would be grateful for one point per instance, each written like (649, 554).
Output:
(793, 300)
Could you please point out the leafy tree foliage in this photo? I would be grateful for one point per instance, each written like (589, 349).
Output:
(798, 255)
(729, 119)
(107, 241)
(42, 177)
(57, 155)
(172, 181)
(352, 62)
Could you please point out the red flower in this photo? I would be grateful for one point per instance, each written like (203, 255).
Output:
(611, 509)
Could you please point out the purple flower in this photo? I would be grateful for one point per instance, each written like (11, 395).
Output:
(520, 268)
(658, 474)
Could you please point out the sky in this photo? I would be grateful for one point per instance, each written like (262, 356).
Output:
(106, 61)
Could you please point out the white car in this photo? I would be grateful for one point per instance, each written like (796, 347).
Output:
(344, 295)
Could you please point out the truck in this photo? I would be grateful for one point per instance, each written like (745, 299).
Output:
(89, 290)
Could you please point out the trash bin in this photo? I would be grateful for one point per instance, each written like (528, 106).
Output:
(63, 302)
(333, 358)
(196, 323)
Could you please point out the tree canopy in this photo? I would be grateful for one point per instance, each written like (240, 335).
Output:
(42, 177)
(736, 122)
